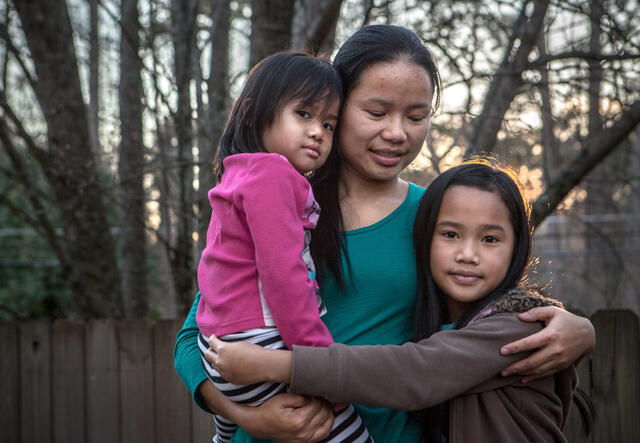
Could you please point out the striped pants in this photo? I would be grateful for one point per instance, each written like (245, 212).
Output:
(347, 427)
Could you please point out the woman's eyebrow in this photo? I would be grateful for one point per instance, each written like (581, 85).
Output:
(383, 102)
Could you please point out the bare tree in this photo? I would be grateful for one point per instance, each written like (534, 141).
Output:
(271, 22)
(314, 25)
(181, 252)
(507, 80)
(94, 75)
(593, 151)
(67, 161)
(213, 116)
(131, 195)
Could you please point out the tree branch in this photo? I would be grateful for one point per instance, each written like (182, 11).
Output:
(594, 151)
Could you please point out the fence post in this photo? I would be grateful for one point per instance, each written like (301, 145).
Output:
(35, 381)
(9, 379)
(68, 387)
(136, 381)
(103, 382)
(171, 398)
(615, 381)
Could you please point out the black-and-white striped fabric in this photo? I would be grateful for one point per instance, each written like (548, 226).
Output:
(347, 427)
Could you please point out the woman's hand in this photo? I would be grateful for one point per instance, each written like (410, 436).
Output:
(284, 417)
(565, 339)
(244, 363)
(291, 418)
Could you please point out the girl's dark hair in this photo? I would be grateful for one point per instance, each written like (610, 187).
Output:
(366, 47)
(431, 309)
(270, 85)
(479, 173)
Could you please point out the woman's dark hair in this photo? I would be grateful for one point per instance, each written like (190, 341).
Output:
(270, 85)
(366, 47)
(431, 309)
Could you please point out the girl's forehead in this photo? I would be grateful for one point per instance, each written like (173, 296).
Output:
(473, 204)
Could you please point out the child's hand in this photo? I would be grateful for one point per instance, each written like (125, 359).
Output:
(239, 362)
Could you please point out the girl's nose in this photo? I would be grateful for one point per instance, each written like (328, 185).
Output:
(314, 130)
(395, 131)
(467, 254)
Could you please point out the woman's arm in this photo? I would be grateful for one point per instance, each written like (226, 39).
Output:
(411, 376)
(282, 418)
(565, 339)
(186, 356)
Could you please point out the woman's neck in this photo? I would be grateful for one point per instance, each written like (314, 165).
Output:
(365, 202)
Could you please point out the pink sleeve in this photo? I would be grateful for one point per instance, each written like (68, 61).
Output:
(273, 198)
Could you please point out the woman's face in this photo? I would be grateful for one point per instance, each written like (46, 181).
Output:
(385, 120)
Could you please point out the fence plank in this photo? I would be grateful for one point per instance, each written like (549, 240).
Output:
(171, 398)
(35, 381)
(615, 367)
(9, 378)
(573, 430)
(136, 381)
(103, 382)
(68, 388)
(132, 393)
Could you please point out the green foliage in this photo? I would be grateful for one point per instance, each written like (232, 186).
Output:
(30, 281)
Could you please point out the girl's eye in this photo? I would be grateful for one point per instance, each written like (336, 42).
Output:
(329, 127)
(303, 114)
(417, 118)
(490, 239)
(376, 114)
(450, 234)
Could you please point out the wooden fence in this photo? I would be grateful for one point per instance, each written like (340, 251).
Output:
(107, 381)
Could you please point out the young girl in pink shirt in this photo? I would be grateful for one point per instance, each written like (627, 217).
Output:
(256, 274)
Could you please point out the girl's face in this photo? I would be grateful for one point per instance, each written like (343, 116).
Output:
(303, 135)
(471, 247)
(385, 120)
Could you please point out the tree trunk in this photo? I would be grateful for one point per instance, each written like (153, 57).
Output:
(71, 170)
(94, 70)
(593, 151)
(507, 80)
(550, 145)
(601, 272)
(271, 22)
(314, 25)
(131, 168)
(184, 33)
(211, 121)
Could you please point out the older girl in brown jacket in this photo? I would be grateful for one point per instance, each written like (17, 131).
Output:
(472, 239)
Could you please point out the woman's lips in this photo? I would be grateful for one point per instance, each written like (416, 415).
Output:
(387, 157)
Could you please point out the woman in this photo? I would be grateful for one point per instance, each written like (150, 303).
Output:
(362, 246)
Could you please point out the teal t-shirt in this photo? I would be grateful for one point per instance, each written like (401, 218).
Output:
(377, 305)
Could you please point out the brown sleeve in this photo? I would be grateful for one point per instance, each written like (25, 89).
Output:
(414, 375)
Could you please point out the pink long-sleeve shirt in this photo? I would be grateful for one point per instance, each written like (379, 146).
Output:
(254, 270)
